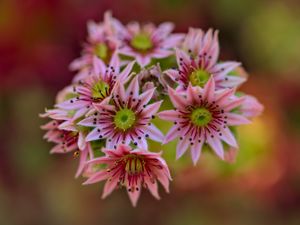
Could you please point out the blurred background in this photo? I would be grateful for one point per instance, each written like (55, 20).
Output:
(39, 38)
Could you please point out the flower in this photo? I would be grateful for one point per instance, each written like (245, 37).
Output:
(148, 41)
(197, 66)
(133, 169)
(67, 140)
(102, 43)
(125, 117)
(203, 116)
(96, 87)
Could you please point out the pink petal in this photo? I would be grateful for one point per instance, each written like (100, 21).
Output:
(109, 186)
(182, 57)
(172, 41)
(133, 88)
(223, 96)
(125, 73)
(82, 160)
(234, 119)
(232, 81)
(173, 74)
(153, 187)
(97, 177)
(182, 146)
(134, 195)
(209, 90)
(224, 68)
(170, 115)
(228, 137)
(146, 96)
(172, 134)
(231, 104)
(93, 135)
(163, 179)
(216, 145)
(196, 151)
(88, 122)
(115, 62)
(143, 60)
(161, 53)
(81, 141)
(177, 100)
(99, 66)
(152, 109)
(154, 133)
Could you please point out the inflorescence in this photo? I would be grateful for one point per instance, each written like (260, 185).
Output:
(105, 117)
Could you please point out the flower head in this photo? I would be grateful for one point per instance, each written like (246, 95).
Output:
(125, 117)
(132, 169)
(96, 87)
(148, 41)
(102, 42)
(203, 116)
(201, 62)
(62, 132)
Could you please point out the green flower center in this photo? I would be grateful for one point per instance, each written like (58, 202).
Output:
(199, 77)
(134, 164)
(100, 90)
(124, 119)
(101, 50)
(201, 117)
(141, 42)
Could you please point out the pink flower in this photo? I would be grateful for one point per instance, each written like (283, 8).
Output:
(201, 61)
(133, 169)
(68, 141)
(125, 117)
(203, 116)
(96, 87)
(147, 41)
(102, 43)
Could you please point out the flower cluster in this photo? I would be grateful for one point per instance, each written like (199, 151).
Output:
(125, 73)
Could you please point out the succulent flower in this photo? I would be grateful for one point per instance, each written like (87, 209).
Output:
(200, 62)
(133, 169)
(125, 117)
(144, 42)
(203, 116)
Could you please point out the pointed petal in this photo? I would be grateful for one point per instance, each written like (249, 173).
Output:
(177, 100)
(172, 134)
(125, 72)
(209, 90)
(170, 115)
(228, 137)
(216, 145)
(196, 150)
(109, 186)
(97, 177)
(134, 195)
(154, 133)
(236, 119)
(153, 187)
(133, 88)
(151, 109)
(98, 66)
(82, 160)
(182, 146)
